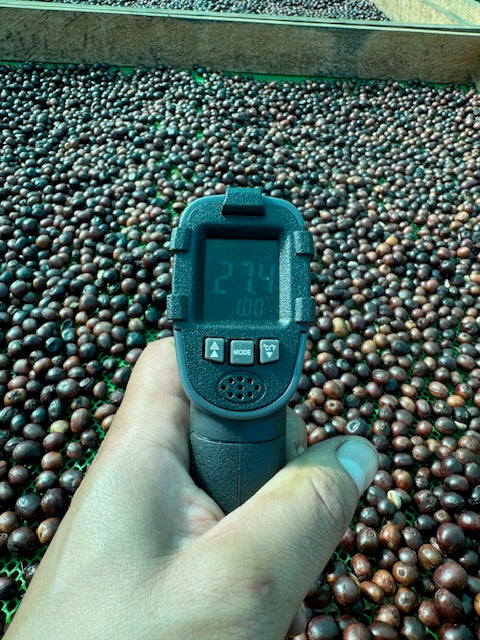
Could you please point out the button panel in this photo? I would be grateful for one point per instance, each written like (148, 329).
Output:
(242, 352)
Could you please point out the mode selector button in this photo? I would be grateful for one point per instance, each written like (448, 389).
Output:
(214, 349)
(241, 352)
(269, 351)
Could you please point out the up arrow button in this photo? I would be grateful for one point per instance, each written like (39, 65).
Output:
(214, 349)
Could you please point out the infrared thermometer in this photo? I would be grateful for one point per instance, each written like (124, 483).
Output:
(241, 307)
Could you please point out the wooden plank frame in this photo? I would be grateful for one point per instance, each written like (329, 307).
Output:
(54, 32)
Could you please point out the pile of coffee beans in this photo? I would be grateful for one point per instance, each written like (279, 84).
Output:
(96, 168)
(339, 9)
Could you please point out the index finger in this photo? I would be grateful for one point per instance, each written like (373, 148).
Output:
(155, 408)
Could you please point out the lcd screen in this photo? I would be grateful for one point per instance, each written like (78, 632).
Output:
(241, 279)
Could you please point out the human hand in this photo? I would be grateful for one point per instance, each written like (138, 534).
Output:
(142, 553)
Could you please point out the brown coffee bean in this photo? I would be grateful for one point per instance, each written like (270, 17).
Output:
(477, 604)
(361, 567)
(89, 439)
(70, 480)
(448, 605)
(29, 571)
(19, 475)
(429, 557)
(80, 420)
(22, 541)
(60, 426)
(52, 461)
(8, 522)
(438, 390)
(104, 410)
(469, 521)
(406, 600)
(46, 480)
(384, 579)
(47, 529)
(27, 451)
(451, 538)
(54, 441)
(372, 592)
(27, 506)
(429, 615)
(8, 588)
(450, 575)
(323, 627)
(390, 536)
(74, 450)
(406, 574)
(345, 591)
(368, 542)
(357, 631)
(54, 502)
(388, 613)
(412, 629)
(383, 631)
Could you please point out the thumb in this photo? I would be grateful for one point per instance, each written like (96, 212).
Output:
(285, 534)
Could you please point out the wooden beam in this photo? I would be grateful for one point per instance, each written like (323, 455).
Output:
(51, 32)
(445, 12)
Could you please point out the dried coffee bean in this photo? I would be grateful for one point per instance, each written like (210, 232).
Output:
(27, 451)
(429, 615)
(47, 529)
(388, 613)
(385, 580)
(27, 506)
(383, 631)
(80, 420)
(429, 557)
(323, 627)
(29, 572)
(8, 522)
(448, 605)
(451, 538)
(406, 574)
(70, 480)
(54, 502)
(345, 591)
(8, 588)
(357, 631)
(372, 592)
(412, 629)
(406, 600)
(361, 567)
(46, 480)
(19, 475)
(450, 575)
(22, 541)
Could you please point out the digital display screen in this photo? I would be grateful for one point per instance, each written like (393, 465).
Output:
(241, 279)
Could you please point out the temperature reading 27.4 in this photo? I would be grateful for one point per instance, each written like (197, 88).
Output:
(241, 279)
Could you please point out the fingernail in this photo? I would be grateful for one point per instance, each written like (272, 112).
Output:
(360, 461)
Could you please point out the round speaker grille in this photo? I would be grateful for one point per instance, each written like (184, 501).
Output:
(240, 386)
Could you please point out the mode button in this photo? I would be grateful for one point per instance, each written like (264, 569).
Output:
(241, 352)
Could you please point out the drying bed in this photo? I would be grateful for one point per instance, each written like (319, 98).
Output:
(98, 164)
(338, 9)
